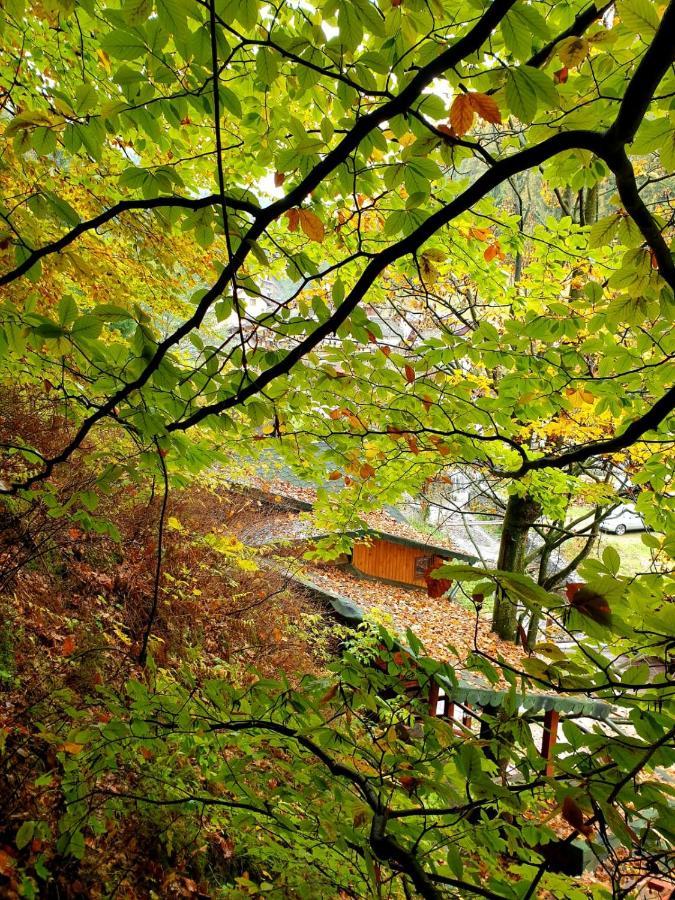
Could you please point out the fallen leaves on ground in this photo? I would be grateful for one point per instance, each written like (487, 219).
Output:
(438, 623)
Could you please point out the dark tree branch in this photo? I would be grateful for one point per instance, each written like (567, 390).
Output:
(583, 21)
(610, 147)
(463, 47)
(112, 213)
(650, 421)
(504, 169)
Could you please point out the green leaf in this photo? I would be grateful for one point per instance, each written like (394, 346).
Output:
(172, 15)
(350, 25)
(612, 560)
(603, 231)
(62, 208)
(454, 861)
(86, 99)
(628, 233)
(67, 310)
(123, 45)
(266, 65)
(639, 16)
(49, 330)
(86, 328)
(25, 835)
(516, 33)
(110, 312)
(521, 95)
(137, 11)
(230, 101)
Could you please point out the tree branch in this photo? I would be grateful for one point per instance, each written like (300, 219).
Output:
(111, 213)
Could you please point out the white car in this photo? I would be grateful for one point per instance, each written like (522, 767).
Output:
(623, 519)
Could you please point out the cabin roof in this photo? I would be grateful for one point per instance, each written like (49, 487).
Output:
(288, 526)
(448, 631)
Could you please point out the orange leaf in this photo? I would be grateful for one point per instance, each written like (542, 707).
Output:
(7, 864)
(386, 350)
(334, 476)
(293, 216)
(561, 76)
(366, 471)
(328, 696)
(447, 130)
(312, 225)
(335, 413)
(589, 603)
(279, 178)
(409, 374)
(574, 816)
(408, 783)
(427, 402)
(481, 234)
(490, 252)
(68, 646)
(486, 107)
(461, 114)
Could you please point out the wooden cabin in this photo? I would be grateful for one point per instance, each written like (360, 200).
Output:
(397, 559)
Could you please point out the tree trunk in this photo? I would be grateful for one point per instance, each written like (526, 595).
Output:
(521, 513)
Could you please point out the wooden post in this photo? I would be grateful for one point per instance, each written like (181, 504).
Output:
(466, 718)
(449, 711)
(551, 719)
(433, 698)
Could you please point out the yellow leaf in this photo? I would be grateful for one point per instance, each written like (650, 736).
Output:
(573, 51)
(70, 747)
(104, 59)
(174, 523)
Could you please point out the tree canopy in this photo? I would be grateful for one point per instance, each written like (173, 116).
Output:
(391, 239)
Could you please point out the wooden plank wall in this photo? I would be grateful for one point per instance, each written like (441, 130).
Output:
(385, 559)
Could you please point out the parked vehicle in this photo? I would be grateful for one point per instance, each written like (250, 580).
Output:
(623, 519)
